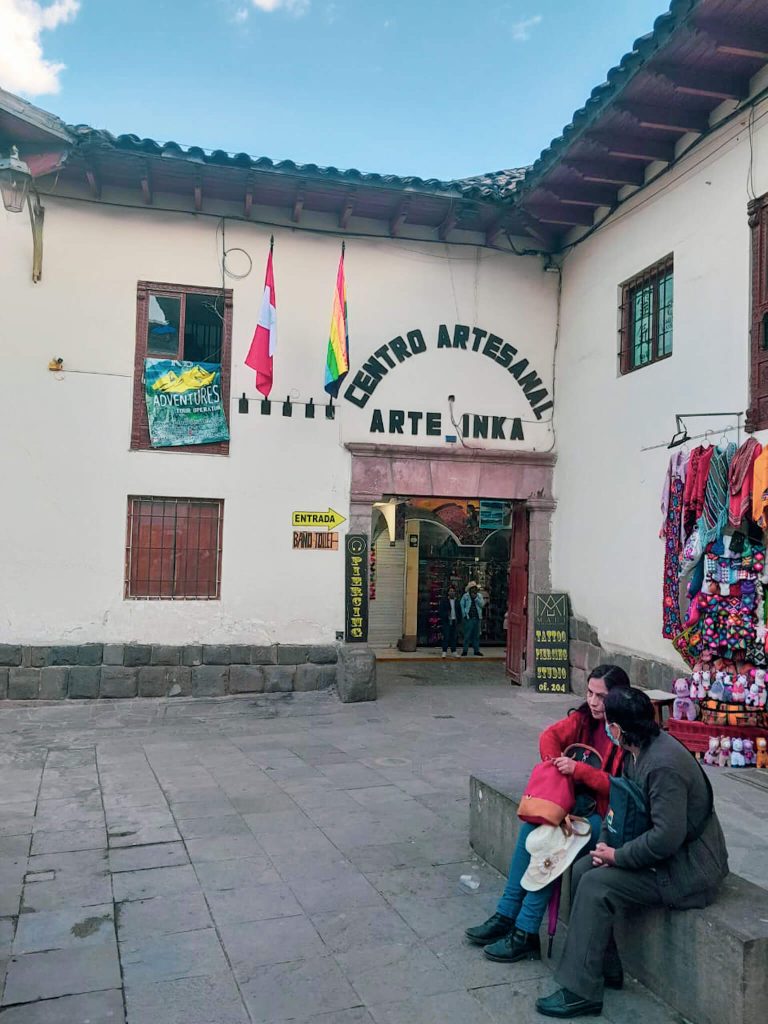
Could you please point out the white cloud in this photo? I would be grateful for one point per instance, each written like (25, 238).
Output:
(23, 67)
(240, 15)
(294, 7)
(521, 30)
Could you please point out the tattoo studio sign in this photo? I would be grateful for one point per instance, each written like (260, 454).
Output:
(414, 343)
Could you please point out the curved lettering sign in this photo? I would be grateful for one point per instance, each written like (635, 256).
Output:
(474, 339)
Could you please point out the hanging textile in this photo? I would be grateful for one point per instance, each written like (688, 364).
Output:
(676, 467)
(760, 489)
(672, 504)
(695, 486)
(714, 516)
(740, 476)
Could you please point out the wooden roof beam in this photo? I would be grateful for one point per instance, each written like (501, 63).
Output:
(533, 227)
(576, 194)
(298, 206)
(635, 147)
(347, 210)
(198, 192)
(607, 173)
(570, 216)
(671, 118)
(736, 41)
(94, 180)
(146, 183)
(710, 84)
(400, 217)
(494, 230)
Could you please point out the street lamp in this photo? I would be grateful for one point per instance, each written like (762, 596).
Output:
(15, 180)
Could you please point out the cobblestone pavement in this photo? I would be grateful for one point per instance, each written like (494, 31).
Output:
(284, 858)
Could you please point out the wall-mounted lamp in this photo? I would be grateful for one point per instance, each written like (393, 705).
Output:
(15, 179)
(15, 183)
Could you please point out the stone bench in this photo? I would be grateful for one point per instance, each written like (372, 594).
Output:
(710, 965)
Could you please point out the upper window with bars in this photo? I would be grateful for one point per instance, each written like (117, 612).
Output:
(646, 317)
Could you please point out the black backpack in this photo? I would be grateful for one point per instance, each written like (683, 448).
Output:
(629, 814)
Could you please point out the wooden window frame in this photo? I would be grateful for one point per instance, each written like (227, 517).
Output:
(757, 413)
(651, 275)
(132, 591)
(140, 426)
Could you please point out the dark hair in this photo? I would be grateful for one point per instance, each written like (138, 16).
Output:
(614, 678)
(632, 711)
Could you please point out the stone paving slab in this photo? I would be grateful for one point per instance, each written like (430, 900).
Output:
(264, 860)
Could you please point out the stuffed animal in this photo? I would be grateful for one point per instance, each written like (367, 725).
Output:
(749, 753)
(739, 693)
(724, 754)
(711, 755)
(752, 696)
(737, 754)
(727, 687)
(716, 690)
(762, 752)
(702, 690)
(762, 691)
(693, 686)
(683, 706)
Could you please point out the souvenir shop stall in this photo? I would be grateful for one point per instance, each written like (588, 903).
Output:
(715, 512)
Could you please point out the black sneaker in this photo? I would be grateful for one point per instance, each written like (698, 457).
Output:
(494, 928)
(478, 654)
(463, 654)
(565, 1004)
(517, 945)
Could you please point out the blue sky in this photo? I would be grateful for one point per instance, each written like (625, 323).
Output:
(438, 89)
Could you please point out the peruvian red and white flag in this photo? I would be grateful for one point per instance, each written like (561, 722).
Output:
(262, 350)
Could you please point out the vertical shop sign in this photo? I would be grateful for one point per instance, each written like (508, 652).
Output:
(356, 588)
(551, 615)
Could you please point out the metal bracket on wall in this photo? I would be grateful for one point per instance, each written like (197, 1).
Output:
(36, 217)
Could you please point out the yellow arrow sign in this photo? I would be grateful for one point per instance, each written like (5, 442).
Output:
(307, 520)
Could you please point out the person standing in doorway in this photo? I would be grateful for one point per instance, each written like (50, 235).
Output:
(450, 617)
(472, 605)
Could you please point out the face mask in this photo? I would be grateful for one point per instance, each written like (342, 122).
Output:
(610, 735)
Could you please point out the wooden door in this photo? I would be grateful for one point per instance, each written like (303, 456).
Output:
(517, 608)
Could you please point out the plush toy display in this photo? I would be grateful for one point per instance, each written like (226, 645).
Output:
(762, 752)
(724, 755)
(683, 706)
(749, 753)
(739, 690)
(737, 754)
(717, 688)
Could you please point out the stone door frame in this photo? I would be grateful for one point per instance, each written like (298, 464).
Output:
(383, 471)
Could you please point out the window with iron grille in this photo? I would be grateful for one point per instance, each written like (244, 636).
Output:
(180, 322)
(757, 414)
(646, 317)
(173, 548)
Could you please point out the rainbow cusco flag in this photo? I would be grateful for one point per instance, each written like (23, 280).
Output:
(337, 360)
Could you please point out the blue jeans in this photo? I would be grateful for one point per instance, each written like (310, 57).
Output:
(472, 634)
(527, 909)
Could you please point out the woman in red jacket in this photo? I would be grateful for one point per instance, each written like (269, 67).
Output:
(512, 934)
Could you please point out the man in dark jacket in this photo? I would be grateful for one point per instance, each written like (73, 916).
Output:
(679, 862)
(450, 617)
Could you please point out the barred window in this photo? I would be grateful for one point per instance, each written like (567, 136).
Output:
(646, 317)
(173, 548)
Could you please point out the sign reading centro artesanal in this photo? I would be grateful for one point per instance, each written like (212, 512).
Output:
(461, 336)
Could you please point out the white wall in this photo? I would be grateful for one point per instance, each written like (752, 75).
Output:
(65, 463)
(606, 550)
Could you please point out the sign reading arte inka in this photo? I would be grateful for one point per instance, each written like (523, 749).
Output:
(356, 588)
(551, 617)
(461, 337)
(184, 404)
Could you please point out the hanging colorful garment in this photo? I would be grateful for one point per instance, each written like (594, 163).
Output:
(714, 516)
(740, 476)
(695, 486)
(676, 467)
(673, 507)
(760, 489)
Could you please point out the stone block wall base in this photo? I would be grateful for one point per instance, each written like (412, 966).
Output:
(587, 653)
(356, 676)
(111, 671)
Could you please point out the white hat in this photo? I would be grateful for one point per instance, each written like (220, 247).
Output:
(471, 584)
(553, 851)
